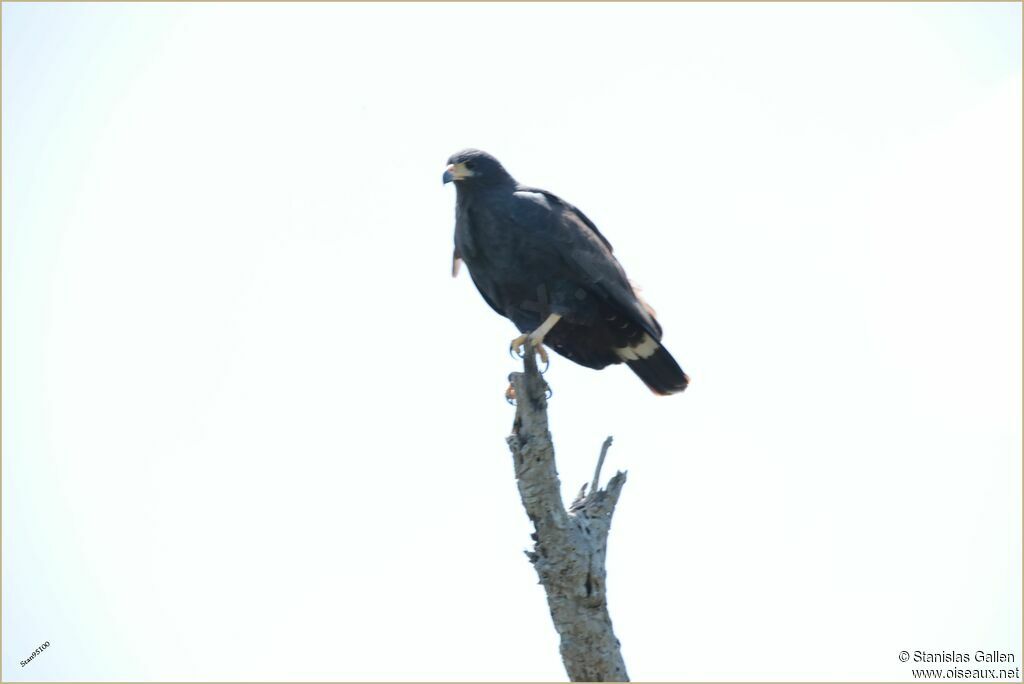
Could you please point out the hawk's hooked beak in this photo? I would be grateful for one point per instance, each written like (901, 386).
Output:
(456, 172)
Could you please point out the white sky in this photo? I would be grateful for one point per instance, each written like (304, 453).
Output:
(252, 428)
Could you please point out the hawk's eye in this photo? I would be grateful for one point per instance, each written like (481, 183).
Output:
(469, 165)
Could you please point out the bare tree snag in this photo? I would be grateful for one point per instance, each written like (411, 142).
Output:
(570, 547)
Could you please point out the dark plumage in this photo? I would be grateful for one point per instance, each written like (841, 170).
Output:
(531, 254)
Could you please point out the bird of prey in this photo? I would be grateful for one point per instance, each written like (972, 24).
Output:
(541, 263)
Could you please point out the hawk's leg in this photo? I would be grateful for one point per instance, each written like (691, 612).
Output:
(535, 339)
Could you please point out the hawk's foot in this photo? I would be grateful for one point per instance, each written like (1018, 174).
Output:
(518, 348)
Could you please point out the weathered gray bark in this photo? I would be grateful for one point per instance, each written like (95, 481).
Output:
(570, 547)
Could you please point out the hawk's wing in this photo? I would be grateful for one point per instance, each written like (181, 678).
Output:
(584, 250)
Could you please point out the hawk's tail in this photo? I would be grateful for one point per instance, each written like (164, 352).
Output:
(655, 366)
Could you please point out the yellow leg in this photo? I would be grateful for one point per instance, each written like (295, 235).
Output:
(536, 338)
(538, 335)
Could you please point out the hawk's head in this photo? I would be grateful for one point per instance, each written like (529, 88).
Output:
(472, 167)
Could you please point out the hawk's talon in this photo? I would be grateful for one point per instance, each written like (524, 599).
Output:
(517, 347)
(543, 357)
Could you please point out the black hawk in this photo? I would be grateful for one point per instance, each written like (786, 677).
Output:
(541, 263)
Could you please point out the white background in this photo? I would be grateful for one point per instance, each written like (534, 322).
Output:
(253, 430)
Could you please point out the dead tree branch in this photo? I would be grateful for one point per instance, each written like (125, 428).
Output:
(569, 554)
